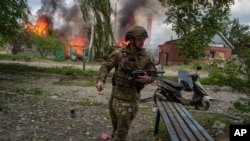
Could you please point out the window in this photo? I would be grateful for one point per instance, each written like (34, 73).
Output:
(212, 54)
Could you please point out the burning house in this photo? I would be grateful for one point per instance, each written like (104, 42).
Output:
(67, 21)
(42, 26)
(71, 29)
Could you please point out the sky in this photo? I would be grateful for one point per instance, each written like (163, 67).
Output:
(162, 32)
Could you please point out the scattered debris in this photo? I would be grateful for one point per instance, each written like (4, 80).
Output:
(219, 127)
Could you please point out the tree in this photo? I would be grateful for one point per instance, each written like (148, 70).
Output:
(101, 11)
(195, 23)
(19, 41)
(237, 34)
(246, 58)
(46, 44)
(11, 13)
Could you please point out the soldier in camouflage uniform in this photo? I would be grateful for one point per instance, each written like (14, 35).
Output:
(125, 96)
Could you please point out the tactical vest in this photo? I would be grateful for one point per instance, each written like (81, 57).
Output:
(127, 63)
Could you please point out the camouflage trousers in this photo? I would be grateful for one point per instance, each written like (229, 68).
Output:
(122, 114)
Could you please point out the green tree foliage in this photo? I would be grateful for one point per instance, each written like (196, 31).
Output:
(101, 11)
(12, 12)
(234, 72)
(237, 34)
(246, 59)
(19, 41)
(195, 23)
(46, 44)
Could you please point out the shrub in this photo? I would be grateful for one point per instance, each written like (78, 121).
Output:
(228, 73)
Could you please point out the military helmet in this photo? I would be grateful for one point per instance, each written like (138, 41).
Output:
(136, 31)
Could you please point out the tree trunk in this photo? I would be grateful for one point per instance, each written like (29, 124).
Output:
(91, 38)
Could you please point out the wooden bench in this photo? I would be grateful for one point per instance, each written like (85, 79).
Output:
(180, 124)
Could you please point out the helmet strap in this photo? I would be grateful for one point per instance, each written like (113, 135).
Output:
(135, 45)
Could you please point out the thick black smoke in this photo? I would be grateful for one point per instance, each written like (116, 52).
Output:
(128, 11)
(67, 18)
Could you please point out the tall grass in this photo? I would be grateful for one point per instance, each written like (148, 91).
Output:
(56, 70)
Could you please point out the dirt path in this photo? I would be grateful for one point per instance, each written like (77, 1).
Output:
(28, 117)
(71, 89)
(80, 66)
(24, 117)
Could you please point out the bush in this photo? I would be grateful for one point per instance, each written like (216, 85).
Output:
(228, 73)
(215, 77)
(244, 107)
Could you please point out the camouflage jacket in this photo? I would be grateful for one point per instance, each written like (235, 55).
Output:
(124, 63)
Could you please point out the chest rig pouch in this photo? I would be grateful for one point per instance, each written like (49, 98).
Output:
(128, 63)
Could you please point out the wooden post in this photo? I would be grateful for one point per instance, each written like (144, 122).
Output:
(83, 65)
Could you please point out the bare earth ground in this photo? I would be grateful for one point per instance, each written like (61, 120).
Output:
(30, 117)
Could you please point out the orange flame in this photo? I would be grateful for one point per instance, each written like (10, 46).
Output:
(41, 28)
(123, 43)
(77, 43)
(131, 22)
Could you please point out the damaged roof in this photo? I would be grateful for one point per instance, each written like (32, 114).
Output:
(217, 41)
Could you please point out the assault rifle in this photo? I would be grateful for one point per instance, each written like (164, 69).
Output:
(136, 73)
(152, 73)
